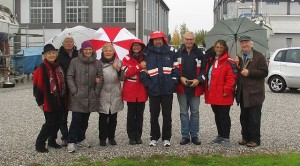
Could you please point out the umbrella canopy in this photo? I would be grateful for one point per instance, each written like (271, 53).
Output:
(79, 34)
(119, 37)
(230, 30)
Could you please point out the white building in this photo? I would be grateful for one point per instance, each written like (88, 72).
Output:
(283, 16)
(140, 17)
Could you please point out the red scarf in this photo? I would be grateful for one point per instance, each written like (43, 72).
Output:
(56, 78)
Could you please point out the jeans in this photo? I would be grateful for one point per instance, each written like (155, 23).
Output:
(78, 127)
(189, 121)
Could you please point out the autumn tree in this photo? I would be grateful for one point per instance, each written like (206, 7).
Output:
(176, 38)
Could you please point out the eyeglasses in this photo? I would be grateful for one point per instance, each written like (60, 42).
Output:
(189, 39)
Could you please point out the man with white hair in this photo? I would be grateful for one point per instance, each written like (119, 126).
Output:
(66, 53)
(250, 92)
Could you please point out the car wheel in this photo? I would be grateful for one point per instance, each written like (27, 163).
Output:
(293, 88)
(277, 84)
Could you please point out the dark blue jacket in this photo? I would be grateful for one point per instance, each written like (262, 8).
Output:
(162, 72)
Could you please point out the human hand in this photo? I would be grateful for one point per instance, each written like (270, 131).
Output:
(97, 80)
(245, 72)
(143, 64)
(225, 94)
(183, 80)
(116, 67)
(194, 82)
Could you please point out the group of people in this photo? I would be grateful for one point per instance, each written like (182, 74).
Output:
(71, 80)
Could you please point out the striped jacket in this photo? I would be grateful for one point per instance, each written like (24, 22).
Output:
(162, 72)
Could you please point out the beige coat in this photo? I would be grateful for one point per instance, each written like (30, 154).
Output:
(81, 78)
(110, 96)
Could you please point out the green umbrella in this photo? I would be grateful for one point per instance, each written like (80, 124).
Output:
(230, 30)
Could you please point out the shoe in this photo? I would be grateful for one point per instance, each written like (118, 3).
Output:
(252, 144)
(42, 149)
(217, 140)
(242, 142)
(167, 143)
(112, 142)
(226, 143)
(139, 141)
(153, 143)
(71, 147)
(54, 145)
(132, 142)
(83, 144)
(64, 142)
(102, 143)
(184, 141)
(196, 141)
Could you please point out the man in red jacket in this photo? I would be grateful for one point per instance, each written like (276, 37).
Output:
(191, 61)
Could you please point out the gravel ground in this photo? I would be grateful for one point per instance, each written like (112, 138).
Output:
(21, 121)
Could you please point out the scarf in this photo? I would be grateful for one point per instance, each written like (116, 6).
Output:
(56, 79)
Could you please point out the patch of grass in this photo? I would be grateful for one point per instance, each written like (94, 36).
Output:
(289, 159)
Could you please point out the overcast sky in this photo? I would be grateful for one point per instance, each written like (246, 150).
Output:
(197, 14)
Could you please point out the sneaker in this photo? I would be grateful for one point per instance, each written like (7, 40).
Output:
(83, 144)
(217, 140)
(71, 147)
(42, 149)
(112, 142)
(226, 143)
(54, 145)
(167, 143)
(153, 143)
(64, 142)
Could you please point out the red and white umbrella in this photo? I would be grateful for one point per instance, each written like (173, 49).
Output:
(120, 38)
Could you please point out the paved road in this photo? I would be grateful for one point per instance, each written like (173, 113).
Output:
(21, 121)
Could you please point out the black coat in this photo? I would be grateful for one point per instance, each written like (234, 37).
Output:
(65, 59)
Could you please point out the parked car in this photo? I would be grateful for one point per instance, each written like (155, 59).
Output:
(284, 69)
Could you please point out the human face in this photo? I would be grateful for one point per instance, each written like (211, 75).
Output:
(136, 47)
(108, 53)
(68, 44)
(87, 52)
(50, 56)
(219, 49)
(189, 41)
(246, 45)
(158, 42)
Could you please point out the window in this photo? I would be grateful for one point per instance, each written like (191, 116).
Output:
(114, 11)
(279, 56)
(77, 11)
(41, 11)
(273, 2)
(293, 56)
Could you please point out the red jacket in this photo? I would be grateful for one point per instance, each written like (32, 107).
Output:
(133, 89)
(222, 81)
(41, 91)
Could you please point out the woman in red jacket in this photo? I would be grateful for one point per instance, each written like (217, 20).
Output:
(134, 91)
(49, 90)
(219, 92)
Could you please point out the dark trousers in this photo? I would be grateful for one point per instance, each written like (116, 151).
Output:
(107, 126)
(78, 127)
(165, 102)
(135, 118)
(49, 128)
(63, 127)
(222, 119)
(250, 119)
